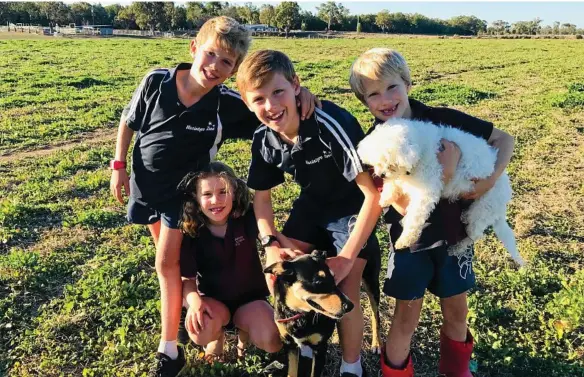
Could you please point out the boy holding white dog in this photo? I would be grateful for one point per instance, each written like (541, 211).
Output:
(380, 78)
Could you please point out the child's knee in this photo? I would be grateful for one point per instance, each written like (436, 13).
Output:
(455, 314)
(206, 336)
(167, 267)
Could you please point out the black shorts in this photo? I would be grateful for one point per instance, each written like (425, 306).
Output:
(169, 212)
(313, 225)
(233, 305)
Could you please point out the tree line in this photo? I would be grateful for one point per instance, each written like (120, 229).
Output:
(287, 15)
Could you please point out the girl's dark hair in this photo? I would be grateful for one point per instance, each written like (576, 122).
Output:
(192, 216)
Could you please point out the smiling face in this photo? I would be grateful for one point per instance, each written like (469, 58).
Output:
(212, 65)
(387, 97)
(215, 199)
(274, 103)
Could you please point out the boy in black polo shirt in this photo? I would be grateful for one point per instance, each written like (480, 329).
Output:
(181, 117)
(338, 202)
(380, 78)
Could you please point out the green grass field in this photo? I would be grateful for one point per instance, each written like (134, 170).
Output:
(78, 288)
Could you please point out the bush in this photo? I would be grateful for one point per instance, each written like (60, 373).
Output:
(579, 36)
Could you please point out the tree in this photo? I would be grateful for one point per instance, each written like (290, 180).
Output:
(287, 16)
(126, 18)
(214, 8)
(111, 13)
(267, 14)
(311, 22)
(383, 20)
(332, 13)
(556, 27)
(196, 15)
(568, 28)
(500, 27)
(55, 12)
(249, 13)
(149, 15)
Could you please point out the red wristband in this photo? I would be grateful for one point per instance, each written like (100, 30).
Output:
(117, 165)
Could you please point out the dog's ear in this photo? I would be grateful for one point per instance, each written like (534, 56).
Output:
(319, 255)
(279, 268)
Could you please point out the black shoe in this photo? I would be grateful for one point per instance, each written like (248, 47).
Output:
(164, 366)
(183, 334)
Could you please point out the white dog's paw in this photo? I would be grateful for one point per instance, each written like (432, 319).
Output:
(403, 243)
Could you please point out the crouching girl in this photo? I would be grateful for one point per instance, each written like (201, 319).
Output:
(223, 282)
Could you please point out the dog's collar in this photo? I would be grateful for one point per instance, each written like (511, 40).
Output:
(290, 319)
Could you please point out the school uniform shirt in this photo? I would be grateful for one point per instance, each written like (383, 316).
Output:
(171, 139)
(227, 269)
(323, 161)
(444, 225)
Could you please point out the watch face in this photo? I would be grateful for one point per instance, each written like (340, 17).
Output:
(267, 240)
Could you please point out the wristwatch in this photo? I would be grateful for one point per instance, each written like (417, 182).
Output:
(117, 165)
(268, 240)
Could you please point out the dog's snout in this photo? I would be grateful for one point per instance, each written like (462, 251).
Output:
(382, 175)
(408, 172)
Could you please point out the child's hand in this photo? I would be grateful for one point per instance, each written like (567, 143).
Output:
(481, 186)
(286, 253)
(307, 103)
(195, 320)
(448, 156)
(340, 267)
(118, 180)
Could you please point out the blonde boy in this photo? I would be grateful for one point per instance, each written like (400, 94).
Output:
(380, 78)
(181, 117)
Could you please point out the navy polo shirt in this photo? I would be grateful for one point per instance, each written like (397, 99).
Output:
(444, 223)
(323, 161)
(172, 139)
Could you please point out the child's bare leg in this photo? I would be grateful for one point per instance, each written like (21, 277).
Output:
(155, 231)
(351, 325)
(257, 319)
(168, 271)
(454, 312)
(405, 320)
(213, 329)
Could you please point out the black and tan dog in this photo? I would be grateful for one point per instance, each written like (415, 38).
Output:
(307, 306)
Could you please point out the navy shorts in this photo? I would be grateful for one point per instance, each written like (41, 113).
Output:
(410, 274)
(309, 224)
(168, 212)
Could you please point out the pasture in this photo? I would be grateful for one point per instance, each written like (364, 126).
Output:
(78, 288)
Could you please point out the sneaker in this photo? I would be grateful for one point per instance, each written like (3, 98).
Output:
(183, 335)
(166, 367)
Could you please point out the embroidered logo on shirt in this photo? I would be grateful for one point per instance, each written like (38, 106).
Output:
(319, 158)
(197, 129)
(209, 127)
(239, 240)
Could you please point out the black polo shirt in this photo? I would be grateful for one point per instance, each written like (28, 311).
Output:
(172, 139)
(323, 161)
(444, 223)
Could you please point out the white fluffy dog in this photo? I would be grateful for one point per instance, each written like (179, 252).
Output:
(404, 153)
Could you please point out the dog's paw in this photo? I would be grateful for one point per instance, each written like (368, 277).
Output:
(402, 243)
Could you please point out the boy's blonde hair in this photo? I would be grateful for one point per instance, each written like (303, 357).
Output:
(260, 66)
(228, 33)
(375, 64)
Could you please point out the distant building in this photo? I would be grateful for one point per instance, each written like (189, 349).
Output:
(98, 29)
(261, 28)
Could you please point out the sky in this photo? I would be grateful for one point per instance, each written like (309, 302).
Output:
(549, 11)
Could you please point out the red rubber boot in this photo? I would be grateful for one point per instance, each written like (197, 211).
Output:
(387, 371)
(455, 356)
